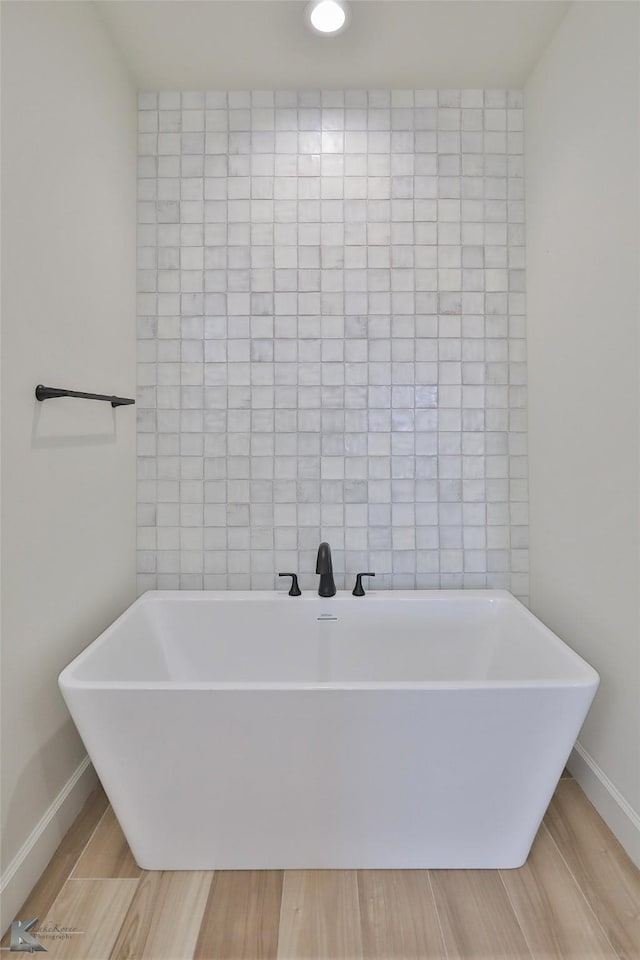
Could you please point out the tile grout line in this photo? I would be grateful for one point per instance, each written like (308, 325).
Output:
(581, 891)
(435, 906)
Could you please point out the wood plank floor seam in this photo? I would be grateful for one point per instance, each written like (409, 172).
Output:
(574, 899)
(99, 906)
(579, 886)
(41, 897)
(551, 910)
(278, 935)
(515, 913)
(93, 833)
(359, 911)
(605, 872)
(433, 897)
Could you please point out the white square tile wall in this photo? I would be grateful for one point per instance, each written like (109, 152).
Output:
(331, 338)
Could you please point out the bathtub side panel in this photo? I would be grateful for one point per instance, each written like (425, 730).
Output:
(205, 779)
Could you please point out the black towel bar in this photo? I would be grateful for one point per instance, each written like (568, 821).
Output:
(47, 393)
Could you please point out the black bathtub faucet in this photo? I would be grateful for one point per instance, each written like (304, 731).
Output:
(324, 566)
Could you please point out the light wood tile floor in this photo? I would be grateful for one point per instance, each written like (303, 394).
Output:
(576, 898)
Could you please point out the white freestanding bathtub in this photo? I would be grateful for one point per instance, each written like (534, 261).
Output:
(402, 729)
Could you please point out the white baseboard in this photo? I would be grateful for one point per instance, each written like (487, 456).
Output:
(620, 817)
(29, 863)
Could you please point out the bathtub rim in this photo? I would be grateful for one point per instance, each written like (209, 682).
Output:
(587, 677)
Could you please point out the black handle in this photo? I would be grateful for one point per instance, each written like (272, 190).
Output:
(295, 589)
(48, 393)
(358, 590)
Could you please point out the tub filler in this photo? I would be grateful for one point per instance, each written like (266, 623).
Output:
(249, 730)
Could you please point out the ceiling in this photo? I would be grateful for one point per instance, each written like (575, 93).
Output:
(240, 44)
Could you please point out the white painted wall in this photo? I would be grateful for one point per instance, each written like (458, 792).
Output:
(68, 313)
(582, 174)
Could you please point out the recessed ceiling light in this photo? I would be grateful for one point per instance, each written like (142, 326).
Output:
(328, 17)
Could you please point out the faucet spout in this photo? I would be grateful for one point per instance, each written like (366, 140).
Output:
(324, 566)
